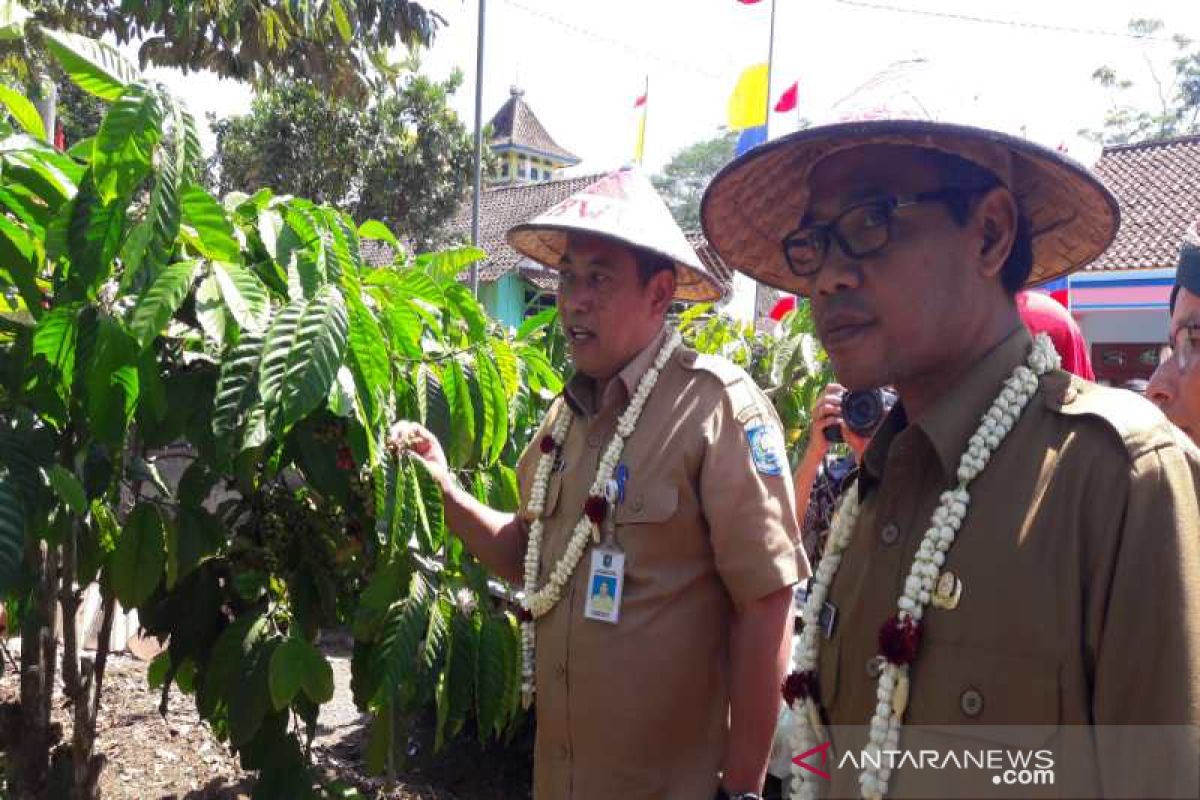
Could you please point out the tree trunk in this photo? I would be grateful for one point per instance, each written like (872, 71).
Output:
(69, 599)
(33, 759)
(49, 608)
(108, 614)
(82, 678)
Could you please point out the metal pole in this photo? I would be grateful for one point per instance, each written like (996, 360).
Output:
(478, 146)
(645, 121)
(766, 135)
(770, 64)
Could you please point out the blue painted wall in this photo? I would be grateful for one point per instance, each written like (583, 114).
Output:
(504, 299)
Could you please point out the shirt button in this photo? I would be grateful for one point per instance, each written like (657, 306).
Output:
(561, 670)
(890, 534)
(971, 702)
(593, 440)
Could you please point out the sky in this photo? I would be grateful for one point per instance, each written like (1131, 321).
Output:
(582, 63)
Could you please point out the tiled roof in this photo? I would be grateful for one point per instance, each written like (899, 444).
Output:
(501, 208)
(375, 252)
(1158, 187)
(515, 125)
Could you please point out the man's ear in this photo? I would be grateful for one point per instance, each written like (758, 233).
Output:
(662, 290)
(995, 223)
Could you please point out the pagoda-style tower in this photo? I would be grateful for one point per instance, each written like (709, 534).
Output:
(527, 152)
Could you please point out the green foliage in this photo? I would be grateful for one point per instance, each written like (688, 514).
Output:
(12, 532)
(94, 66)
(340, 44)
(686, 176)
(23, 112)
(141, 313)
(1175, 108)
(140, 556)
(403, 159)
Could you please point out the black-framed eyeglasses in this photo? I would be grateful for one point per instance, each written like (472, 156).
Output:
(1185, 344)
(860, 230)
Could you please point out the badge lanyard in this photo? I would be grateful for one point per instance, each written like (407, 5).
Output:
(606, 579)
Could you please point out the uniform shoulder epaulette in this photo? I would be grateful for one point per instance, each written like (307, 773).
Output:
(751, 409)
(746, 398)
(1138, 423)
(726, 371)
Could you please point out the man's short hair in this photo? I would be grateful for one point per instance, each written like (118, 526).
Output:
(974, 180)
(650, 264)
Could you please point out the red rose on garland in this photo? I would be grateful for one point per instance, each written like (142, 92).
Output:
(899, 640)
(547, 444)
(800, 685)
(524, 614)
(596, 508)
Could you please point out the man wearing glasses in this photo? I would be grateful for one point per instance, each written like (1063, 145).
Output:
(1020, 555)
(1175, 385)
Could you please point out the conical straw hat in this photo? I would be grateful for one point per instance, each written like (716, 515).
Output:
(624, 207)
(754, 202)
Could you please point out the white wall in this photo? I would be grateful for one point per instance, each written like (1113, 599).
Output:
(1124, 326)
(740, 303)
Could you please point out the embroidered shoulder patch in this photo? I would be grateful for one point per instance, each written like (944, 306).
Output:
(766, 449)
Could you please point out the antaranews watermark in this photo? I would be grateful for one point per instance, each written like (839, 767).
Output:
(1074, 762)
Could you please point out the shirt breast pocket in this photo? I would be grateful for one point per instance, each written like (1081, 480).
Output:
(654, 505)
(1011, 699)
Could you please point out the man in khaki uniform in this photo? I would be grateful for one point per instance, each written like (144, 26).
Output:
(670, 692)
(1069, 598)
(1175, 385)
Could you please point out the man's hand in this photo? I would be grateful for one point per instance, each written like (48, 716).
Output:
(496, 538)
(826, 412)
(408, 436)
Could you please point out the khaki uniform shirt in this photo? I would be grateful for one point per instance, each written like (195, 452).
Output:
(1079, 559)
(639, 709)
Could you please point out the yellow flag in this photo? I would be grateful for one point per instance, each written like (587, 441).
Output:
(639, 148)
(748, 103)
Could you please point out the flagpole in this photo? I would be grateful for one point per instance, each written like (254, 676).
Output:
(770, 64)
(478, 177)
(645, 120)
(766, 132)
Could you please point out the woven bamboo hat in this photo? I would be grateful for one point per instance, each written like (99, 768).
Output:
(624, 207)
(756, 200)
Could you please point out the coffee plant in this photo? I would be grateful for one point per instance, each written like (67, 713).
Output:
(246, 337)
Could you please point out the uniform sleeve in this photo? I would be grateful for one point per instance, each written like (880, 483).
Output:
(748, 502)
(1147, 667)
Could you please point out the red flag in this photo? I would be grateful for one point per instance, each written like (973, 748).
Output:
(748, 2)
(641, 101)
(787, 101)
(783, 308)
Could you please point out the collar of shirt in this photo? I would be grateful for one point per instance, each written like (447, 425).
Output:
(949, 423)
(580, 390)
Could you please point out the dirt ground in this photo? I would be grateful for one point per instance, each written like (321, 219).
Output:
(178, 758)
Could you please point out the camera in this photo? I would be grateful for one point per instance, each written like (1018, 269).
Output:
(862, 411)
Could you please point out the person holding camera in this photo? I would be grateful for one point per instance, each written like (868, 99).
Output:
(821, 477)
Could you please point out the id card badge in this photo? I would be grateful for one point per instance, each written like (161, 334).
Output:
(605, 582)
